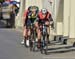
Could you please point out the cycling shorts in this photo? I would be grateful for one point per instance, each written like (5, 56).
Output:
(30, 21)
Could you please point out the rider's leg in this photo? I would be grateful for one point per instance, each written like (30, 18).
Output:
(48, 30)
(28, 38)
(38, 34)
(39, 37)
(29, 32)
(24, 35)
(25, 32)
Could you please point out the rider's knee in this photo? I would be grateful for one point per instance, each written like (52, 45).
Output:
(47, 23)
(36, 24)
(39, 32)
(29, 32)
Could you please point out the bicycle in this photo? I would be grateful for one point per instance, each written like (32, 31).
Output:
(32, 40)
(44, 39)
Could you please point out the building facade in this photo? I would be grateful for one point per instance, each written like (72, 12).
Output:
(63, 13)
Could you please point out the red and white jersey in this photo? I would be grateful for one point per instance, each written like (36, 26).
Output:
(46, 17)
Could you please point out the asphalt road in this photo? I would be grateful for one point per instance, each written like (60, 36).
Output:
(10, 48)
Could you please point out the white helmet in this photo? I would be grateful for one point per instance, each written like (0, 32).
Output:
(44, 11)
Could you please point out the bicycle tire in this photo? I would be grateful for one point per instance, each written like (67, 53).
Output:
(44, 49)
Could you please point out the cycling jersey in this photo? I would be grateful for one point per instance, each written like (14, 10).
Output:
(30, 17)
(47, 16)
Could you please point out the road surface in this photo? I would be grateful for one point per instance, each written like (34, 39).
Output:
(10, 48)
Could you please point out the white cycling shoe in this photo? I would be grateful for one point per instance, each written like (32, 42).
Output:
(27, 43)
(22, 42)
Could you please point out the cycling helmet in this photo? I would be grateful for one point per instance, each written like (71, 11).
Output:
(35, 8)
(44, 11)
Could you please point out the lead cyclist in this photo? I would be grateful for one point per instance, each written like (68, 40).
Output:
(44, 15)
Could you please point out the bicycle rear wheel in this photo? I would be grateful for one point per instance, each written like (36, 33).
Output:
(33, 40)
(44, 45)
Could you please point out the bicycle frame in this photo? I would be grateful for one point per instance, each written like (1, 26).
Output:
(33, 38)
(44, 38)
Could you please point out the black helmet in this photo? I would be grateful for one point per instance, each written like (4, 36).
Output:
(36, 8)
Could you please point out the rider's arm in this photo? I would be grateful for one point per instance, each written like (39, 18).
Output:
(24, 17)
(51, 21)
(49, 16)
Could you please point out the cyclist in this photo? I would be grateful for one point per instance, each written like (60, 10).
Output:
(30, 16)
(45, 16)
(25, 17)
